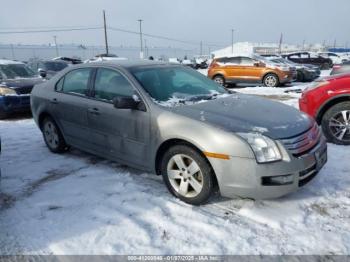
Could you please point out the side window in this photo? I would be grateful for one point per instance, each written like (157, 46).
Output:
(247, 61)
(109, 84)
(295, 56)
(76, 81)
(234, 60)
(59, 85)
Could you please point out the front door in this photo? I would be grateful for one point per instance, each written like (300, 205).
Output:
(248, 71)
(120, 133)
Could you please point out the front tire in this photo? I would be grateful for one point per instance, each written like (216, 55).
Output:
(336, 124)
(271, 80)
(187, 174)
(3, 115)
(326, 66)
(53, 136)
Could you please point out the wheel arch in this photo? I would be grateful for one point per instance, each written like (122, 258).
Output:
(41, 118)
(270, 73)
(174, 142)
(219, 73)
(328, 104)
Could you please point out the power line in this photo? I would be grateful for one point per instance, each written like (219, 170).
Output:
(50, 30)
(110, 28)
(162, 37)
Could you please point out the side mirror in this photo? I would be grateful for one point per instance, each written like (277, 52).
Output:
(42, 73)
(257, 64)
(122, 102)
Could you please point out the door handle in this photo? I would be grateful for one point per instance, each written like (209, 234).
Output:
(54, 101)
(94, 111)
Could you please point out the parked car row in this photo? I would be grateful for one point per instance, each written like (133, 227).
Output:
(305, 72)
(310, 58)
(173, 121)
(100, 108)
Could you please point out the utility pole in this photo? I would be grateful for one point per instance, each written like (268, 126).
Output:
(55, 39)
(105, 29)
(335, 43)
(146, 50)
(141, 47)
(280, 44)
(232, 33)
(201, 48)
(303, 44)
(13, 52)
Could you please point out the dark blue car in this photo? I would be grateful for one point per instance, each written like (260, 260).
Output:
(16, 83)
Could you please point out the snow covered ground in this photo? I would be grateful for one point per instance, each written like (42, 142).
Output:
(76, 203)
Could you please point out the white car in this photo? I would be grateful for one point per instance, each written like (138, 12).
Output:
(336, 58)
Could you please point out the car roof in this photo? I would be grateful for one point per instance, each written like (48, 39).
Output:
(10, 62)
(127, 63)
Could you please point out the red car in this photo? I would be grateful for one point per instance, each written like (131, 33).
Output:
(328, 101)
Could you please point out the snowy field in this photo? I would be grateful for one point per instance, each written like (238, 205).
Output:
(76, 203)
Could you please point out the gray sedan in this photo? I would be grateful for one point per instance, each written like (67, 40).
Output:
(173, 121)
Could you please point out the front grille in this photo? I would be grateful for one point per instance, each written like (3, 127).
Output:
(24, 90)
(302, 144)
(307, 175)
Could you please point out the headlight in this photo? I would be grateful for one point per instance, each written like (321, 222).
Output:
(283, 68)
(265, 149)
(6, 91)
(317, 84)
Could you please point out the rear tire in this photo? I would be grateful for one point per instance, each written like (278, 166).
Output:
(53, 136)
(271, 80)
(219, 79)
(325, 66)
(336, 124)
(3, 115)
(187, 174)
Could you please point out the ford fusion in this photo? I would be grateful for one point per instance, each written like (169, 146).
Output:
(173, 121)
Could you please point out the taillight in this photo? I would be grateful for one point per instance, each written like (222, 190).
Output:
(336, 66)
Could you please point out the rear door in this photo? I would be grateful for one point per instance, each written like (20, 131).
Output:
(232, 68)
(120, 133)
(69, 106)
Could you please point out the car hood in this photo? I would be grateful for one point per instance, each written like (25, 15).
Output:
(22, 85)
(246, 113)
(22, 82)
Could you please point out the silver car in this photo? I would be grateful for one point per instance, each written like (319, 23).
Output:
(173, 121)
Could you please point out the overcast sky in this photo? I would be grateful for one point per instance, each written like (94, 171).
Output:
(190, 20)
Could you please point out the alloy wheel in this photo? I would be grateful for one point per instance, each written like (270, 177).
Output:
(270, 81)
(185, 175)
(339, 124)
(51, 134)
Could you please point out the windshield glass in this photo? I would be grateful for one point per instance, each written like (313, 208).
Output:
(17, 71)
(165, 83)
(55, 66)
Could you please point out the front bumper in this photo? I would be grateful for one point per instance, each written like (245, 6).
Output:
(243, 177)
(287, 78)
(14, 103)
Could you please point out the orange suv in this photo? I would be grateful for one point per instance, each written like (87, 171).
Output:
(250, 69)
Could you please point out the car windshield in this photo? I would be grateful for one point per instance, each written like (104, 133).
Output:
(17, 71)
(169, 83)
(55, 66)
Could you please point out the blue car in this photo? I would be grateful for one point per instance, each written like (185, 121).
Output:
(16, 83)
